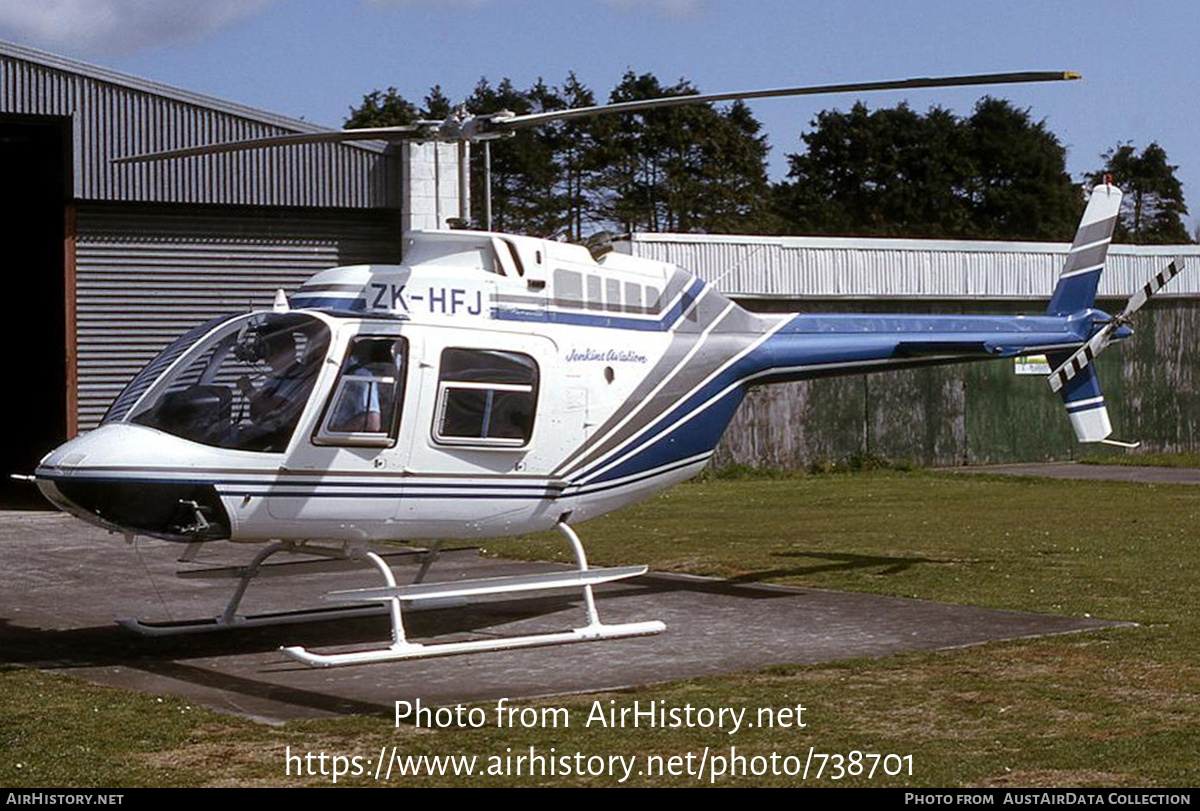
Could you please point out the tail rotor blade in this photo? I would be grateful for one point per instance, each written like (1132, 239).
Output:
(1151, 287)
(1084, 356)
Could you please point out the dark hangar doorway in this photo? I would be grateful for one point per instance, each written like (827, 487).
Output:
(34, 161)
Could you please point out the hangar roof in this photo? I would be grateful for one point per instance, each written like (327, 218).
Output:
(114, 114)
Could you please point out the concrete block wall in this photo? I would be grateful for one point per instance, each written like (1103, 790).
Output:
(430, 195)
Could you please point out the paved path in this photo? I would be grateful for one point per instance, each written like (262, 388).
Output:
(1074, 470)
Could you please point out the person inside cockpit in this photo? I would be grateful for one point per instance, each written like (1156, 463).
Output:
(277, 400)
(277, 389)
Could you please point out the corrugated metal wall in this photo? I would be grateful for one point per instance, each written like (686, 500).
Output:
(818, 267)
(113, 115)
(144, 275)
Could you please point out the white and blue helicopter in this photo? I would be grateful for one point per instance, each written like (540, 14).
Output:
(495, 385)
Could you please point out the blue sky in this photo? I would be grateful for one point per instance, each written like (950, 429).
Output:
(313, 60)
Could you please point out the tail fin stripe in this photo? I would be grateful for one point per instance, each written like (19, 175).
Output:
(1077, 247)
(1080, 276)
(1086, 258)
(1066, 274)
(1093, 233)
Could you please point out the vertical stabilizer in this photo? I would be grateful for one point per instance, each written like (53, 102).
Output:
(1076, 293)
(1085, 406)
(1076, 289)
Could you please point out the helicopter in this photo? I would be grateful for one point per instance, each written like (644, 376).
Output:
(494, 385)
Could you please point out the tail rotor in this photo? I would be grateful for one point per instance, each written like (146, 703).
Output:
(1087, 353)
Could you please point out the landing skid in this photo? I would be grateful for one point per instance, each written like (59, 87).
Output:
(401, 649)
(231, 619)
(205, 626)
(388, 599)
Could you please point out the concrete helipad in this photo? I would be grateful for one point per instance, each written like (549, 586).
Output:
(62, 585)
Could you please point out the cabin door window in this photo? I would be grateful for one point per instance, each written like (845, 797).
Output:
(365, 406)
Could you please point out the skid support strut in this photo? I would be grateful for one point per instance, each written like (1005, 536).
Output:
(230, 618)
(400, 648)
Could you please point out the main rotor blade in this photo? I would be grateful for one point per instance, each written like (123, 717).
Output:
(474, 128)
(533, 119)
(405, 132)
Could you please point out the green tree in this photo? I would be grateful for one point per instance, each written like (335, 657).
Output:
(1020, 188)
(890, 172)
(382, 109)
(688, 168)
(387, 108)
(693, 168)
(577, 147)
(897, 172)
(1153, 208)
(437, 106)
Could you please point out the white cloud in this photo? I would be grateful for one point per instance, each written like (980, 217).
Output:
(119, 27)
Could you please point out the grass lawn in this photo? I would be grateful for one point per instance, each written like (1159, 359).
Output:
(1113, 708)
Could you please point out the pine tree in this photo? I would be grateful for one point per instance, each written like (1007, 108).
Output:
(1153, 208)
(382, 109)
(524, 170)
(690, 168)
(1020, 185)
(576, 143)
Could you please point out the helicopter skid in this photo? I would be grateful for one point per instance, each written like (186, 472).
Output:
(400, 648)
(214, 624)
(392, 598)
(413, 650)
(252, 621)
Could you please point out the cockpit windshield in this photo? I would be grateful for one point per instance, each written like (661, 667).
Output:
(243, 387)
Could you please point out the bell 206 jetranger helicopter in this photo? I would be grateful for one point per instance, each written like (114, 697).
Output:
(494, 385)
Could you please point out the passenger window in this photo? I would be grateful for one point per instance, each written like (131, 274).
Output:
(486, 397)
(365, 406)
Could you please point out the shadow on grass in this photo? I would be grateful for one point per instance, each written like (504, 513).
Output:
(839, 562)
